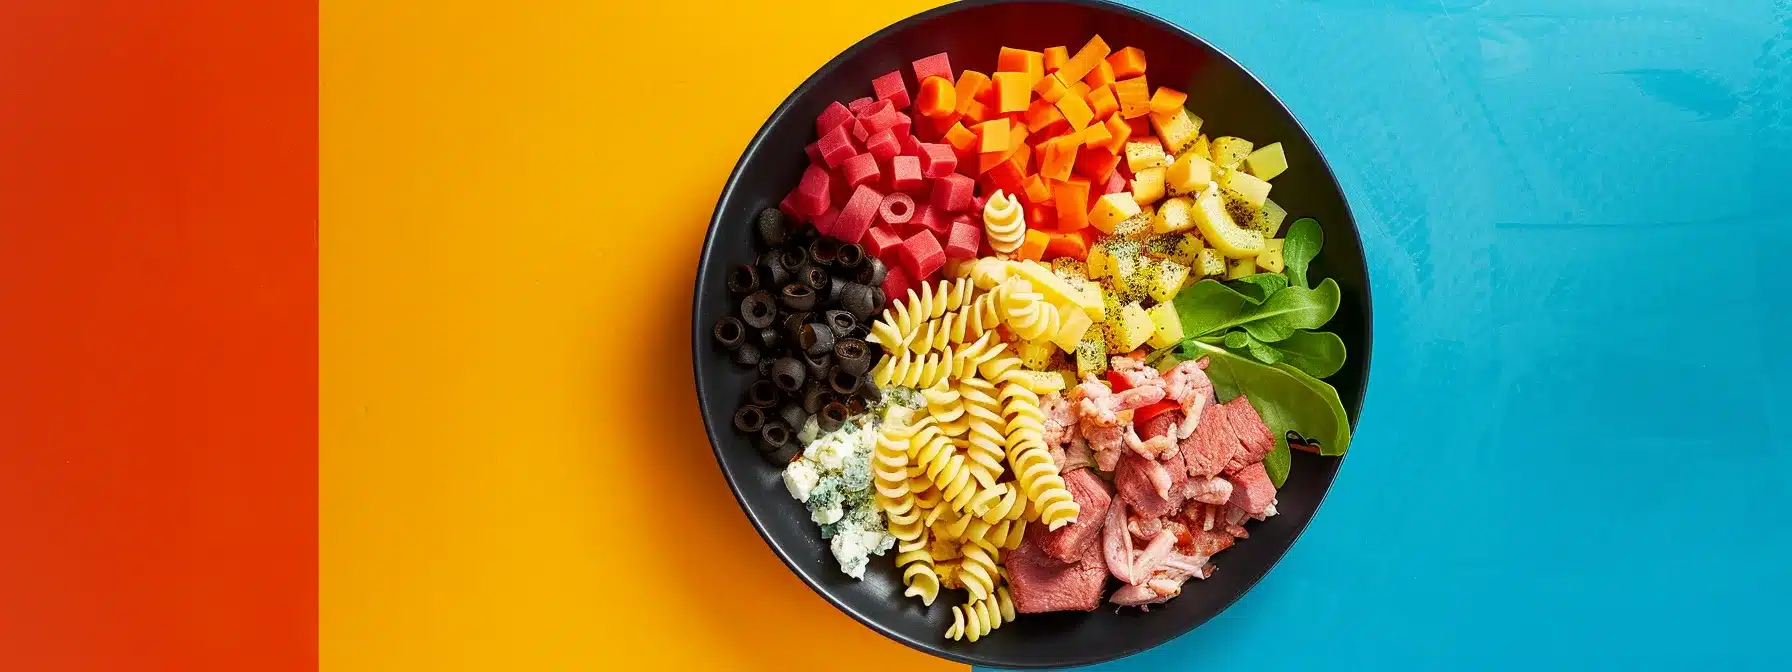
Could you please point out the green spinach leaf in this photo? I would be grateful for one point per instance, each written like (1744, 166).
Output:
(1208, 306)
(1316, 353)
(1278, 462)
(1288, 311)
(1286, 398)
(1260, 286)
(1299, 247)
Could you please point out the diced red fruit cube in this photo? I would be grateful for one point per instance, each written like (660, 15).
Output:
(952, 193)
(890, 87)
(910, 146)
(880, 239)
(965, 239)
(897, 209)
(1115, 184)
(883, 145)
(937, 65)
(789, 206)
(905, 173)
(859, 105)
(897, 282)
(813, 150)
(932, 220)
(920, 255)
(824, 222)
(877, 108)
(835, 116)
(859, 130)
(856, 217)
(937, 160)
(835, 147)
(861, 169)
(887, 120)
(813, 195)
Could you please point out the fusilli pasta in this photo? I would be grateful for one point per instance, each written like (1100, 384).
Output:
(1033, 467)
(975, 619)
(934, 452)
(910, 370)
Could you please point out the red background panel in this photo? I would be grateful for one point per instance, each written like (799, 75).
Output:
(158, 335)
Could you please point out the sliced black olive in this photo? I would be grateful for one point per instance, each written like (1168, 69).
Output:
(793, 258)
(774, 435)
(869, 390)
(817, 366)
(730, 332)
(762, 393)
(855, 405)
(749, 419)
(815, 277)
(783, 456)
(743, 279)
(771, 338)
(842, 381)
(797, 297)
(772, 271)
(849, 256)
(824, 251)
(788, 374)
(793, 414)
(774, 227)
(816, 339)
(857, 299)
(793, 324)
(814, 396)
(765, 366)
(872, 271)
(841, 322)
(853, 355)
(757, 310)
(747, 355)
(832, 416)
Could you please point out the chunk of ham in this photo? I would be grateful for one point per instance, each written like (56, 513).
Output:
(1099, 406)
(1252, 492)
(1060, 421)
(1150, 449)
(1209, 450)
(1148, 485)
(1071, 541)
(1107, 443)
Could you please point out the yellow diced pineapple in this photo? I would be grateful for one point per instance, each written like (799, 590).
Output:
(1211, 263)
(1142, 155)
(1188, 248)
(1047, 381)
(1201, 147)
(1188, 175)
(1268, 220)
(1267, 162)
(1112, 209)
(1092, 352)
(1135, 327)
(1098, 261)
(1070, 269)
(1238, 268)
(1036, 354)
(1271, 259)
(1137, 227)
(1111, 301)
(1166, 279)
(1245, 187)
(1075, 324)
(1167, 325)
(1178, 130)
(1229, 151)
(1148, 185)
(1175, 215)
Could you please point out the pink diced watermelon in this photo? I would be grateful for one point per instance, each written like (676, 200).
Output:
(890, 87)
(813, 191)
(877, 108)
(824, 222)
(965, 239)
(859, 130)
(861, 169)
(933, 220)
(905, 172)
(835, 147)
(880, 239)
(937, 65)
(813, 150)
(832, 118)
(937, 160)
(789, 206)
(883, 145)
(857, 216)
(897, 282)
(920, 255)
(910, 146)
(1115, 184)
(859, 105)
(887, 120)
(952, 193)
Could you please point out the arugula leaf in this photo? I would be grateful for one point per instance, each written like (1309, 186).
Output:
(1299, 247)
(1260, 286)
(1208, 306)
(1286, 398)
(1242, 342)
(1316, 353)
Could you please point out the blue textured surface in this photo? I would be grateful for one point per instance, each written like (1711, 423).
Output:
(1573, 450)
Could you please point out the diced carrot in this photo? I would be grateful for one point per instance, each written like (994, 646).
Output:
(1085, 60)
(1079, 89)
(1007, 177)
(1050, 88)
(1119, 131)
(1033, 246)
(987, 161)
(1134, 97)
(1037, 192)
(992, 136)
(1056, 160)
(1042, 114)
(1076, 111)
(1141, 126)
(1128, 62)
(1101, 76)
(1074, 245)
(978, 112)
(1071, 197)
(936, 98)
(1167, 100)
(963, 140)
(1055, 58)
(1021, 60)
(1102, 101)
(1096, 164)
(1013, 90)
(970, 85)
(1042, 216)
(1097, 135)
(1022, 158)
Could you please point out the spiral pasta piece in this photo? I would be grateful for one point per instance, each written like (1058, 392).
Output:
(999, 503)
(1037, 382)
(910, 370)
(985, 443)
(975, 318)
(890, 480)
(1033, 467)
(944, 406)
(916, 561)
(977, 570)
(939, 458)
(993, 369)
(1028, 313)
(974, 620)
(966, 359)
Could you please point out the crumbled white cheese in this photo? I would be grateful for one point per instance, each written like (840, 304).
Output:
(831, 450)
(828, 514)
(833, 478)
(853, 547)
(800, 479)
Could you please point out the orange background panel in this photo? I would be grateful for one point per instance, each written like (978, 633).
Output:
(158, 298)
(513, 472)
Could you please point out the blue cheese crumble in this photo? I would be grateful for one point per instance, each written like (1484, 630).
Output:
(833, 478)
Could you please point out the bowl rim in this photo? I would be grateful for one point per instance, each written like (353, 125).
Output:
(699, 339)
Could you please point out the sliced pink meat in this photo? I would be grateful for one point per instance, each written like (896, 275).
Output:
(1116, 543)
(1253, 435)
(1252, 491)
(1041, 583)
(1188, 385)
(1209, 450)
(1161, 425)
(1145, 485)
(1210, 490)
(1069, 542)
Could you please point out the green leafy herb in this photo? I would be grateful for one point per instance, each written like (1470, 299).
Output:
(1259, 286)
(1243, 342)
(1316, 353)
(1299, 248)
(1210, 307)
(1286, 398)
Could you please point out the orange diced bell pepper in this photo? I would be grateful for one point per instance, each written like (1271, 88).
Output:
(1134, 96)
(1101, 76)
(1096, 164)
(1103, 103)
(1080, 65)
(970, 85)
(1041, 115)
(1120, 132)
(936, 99)
(1097, 135)
(1057, 159)
(1007, 177)
(1013, 91)
(1042, 216)
(1128, 62)
(1021, 60)
(978, 112)
(1167, 100)
(1074, 244)
(1076, 111)
(992, 136)
(1032, 247)
(1050, 88)
(1141, 126)
(1071, 198)
(1037, 191)
(963, 140)
(1055, 58)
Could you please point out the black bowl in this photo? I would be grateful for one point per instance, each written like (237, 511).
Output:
(1233, 103)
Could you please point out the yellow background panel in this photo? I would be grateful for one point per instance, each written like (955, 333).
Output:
(513, 474)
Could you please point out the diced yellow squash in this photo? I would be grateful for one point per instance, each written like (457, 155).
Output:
(1271, 259)
(1055, 289)
(1070, 269)
(1238, 268)
(1137, 227)
(1201, 147)
(1126, 271)
(1218, 229)
(1160, 245)
(1036, 354)
(1135, 327)
(1267, 162)
(1088, 293)
(1098, 261)
(1166, 325)
(1043, 381)
(1138, 287)
(1142, 155)
(1178, 130)
(1174, 216)
(1188, 248)
(1148, 185)
(1229, 151)
(1092, 352)
(1075, 324)
(1211, 263)
(1111, 302)
(1166, 279)
(1245, 187)
(1268, 219)
(1188, 175)
(1112, 209)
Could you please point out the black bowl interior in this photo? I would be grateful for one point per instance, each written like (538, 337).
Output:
(1233, 103)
